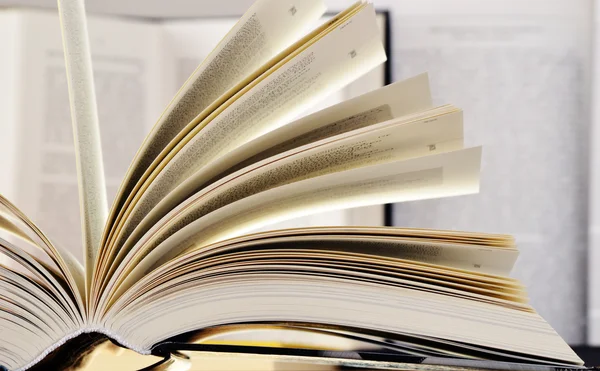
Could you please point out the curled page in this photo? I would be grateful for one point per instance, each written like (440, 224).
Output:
(84, 113)
(441, 175)
(268, 32)
(263, 32)
(348, 51)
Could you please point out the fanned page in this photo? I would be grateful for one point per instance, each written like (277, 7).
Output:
(372, 108)
(301, 277)
(353, 146)
(42, 290)
(445, 174)
(266, 29)
(345, 50)
(402, 98)
(267, 22)
(13, 223)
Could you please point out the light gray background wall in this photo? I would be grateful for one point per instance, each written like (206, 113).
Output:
(522, 80)
(520, 70)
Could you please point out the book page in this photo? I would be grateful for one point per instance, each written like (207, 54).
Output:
(410, 96)
(479, 258)
(10, 232)
(519, 69)
(190, 41)
(70, 269)
(445, 174)
(266, 29)
(350, 50)
(185, 44)
(386, 142)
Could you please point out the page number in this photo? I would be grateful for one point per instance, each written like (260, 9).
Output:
(352, 54)
(293, 10)
(432, 147)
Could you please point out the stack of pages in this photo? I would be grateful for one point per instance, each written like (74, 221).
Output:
(172, 267)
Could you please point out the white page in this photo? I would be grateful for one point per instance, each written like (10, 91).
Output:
(125, 60)
(519, 69)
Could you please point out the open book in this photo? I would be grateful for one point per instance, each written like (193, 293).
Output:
(171, 267)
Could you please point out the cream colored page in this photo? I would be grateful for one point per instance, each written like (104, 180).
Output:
(396, 100)
(84, 116)
(446, 174)
(481, 259)
(184, 35)
(328, 235)
(181, 308)
(267, 28)
(40, 307)
(341, 56)
(70, 269)
(46, 296)
(185, 43)
(184, 56)
(485, 239)
(477, 258)
(27, 279)
(56, 284)
(10, 232)
(399, 99)
(385, 142)
(441, 175)
(388, 141)
(7, 225)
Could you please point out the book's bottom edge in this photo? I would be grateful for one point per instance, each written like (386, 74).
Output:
(91, 330)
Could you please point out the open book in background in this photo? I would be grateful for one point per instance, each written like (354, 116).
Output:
(139, 66)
